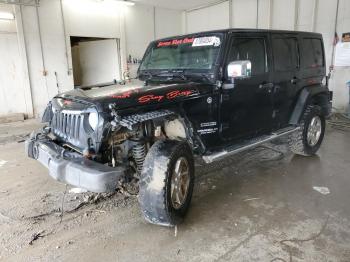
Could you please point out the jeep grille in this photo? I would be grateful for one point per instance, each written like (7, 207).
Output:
(67, 125)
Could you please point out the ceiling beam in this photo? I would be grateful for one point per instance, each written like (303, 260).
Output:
(21, 2)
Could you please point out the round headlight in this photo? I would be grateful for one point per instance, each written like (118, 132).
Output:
(93, 120)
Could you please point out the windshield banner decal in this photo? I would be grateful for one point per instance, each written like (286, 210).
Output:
(207, 41)
(176, 42)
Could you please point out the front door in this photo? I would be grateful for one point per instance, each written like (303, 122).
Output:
(247, 107)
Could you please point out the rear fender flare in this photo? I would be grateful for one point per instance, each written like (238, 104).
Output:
(304, 99)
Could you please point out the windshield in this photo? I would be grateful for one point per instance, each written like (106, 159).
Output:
(183, 53)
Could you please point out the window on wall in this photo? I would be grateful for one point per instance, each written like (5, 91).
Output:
(253, 49)
(285, 53)
(312, 53)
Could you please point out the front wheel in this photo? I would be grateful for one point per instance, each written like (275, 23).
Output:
(308, 139)
(167, 181)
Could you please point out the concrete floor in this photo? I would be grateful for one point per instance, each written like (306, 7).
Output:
(258, 206)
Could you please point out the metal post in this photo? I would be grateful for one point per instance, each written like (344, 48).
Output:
(296, 14)
(230, 13)
(314, 16)
(335, 30)
(257, 14)
(270, 13)
(65, 38)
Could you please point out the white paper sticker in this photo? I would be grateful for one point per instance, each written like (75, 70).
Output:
(207, 41)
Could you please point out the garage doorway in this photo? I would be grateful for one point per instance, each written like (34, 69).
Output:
(95, 61)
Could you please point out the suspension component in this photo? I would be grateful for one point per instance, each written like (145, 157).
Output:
(139, 154)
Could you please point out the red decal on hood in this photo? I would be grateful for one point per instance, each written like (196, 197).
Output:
(177, 93)
(123, 95)
(148, 98)
(171, 95)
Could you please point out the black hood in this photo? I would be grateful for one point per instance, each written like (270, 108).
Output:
(137, 94)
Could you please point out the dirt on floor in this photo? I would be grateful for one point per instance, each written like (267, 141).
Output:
(263, 205)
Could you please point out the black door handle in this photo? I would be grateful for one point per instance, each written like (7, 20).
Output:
(266, 86)
(294, 80)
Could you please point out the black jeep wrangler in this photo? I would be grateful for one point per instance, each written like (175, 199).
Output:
(209, 95)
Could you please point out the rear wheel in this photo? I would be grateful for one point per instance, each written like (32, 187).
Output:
(167, 181)
(308, 139)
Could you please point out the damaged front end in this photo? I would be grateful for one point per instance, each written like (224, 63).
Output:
(72, 168)
(69, 146)
(97, 151)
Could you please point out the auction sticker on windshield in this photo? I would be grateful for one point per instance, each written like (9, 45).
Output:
(207, 41)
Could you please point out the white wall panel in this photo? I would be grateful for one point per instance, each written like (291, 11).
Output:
(240, 17)
(283, 13)
(139, 27)
(8, 26)
(90, 18)
(264, 14)
(306, 15)
(167, 22)
(209, 18)
(12, 98)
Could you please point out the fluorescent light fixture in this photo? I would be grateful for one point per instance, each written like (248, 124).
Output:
(127, 3)
(6, 16)
(121, 2)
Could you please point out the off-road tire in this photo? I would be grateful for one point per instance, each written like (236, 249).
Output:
(298, 140)
(155, 182)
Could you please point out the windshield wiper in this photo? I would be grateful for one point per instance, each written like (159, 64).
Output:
(197, 76)
(146, 73)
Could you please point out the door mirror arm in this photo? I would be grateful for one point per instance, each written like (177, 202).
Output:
(227, 86)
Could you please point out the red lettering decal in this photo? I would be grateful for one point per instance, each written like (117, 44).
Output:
(148, 98)
(188, 40)
(176, 42)
(160, 44)
(178, 93)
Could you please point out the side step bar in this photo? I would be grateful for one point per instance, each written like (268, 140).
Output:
(229, 151)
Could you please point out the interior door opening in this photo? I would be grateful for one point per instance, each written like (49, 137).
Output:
(95, 61)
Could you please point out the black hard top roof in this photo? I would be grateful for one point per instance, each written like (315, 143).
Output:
(243, 30)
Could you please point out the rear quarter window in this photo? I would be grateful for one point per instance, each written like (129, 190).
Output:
(312, 53)
(286, 54)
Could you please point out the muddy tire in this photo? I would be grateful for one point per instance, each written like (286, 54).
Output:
(308, 139)
(168, 172)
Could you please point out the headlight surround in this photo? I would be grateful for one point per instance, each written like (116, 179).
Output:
(93, 120)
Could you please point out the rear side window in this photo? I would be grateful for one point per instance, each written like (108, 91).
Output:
(285, 53)
(253, 49)
(312, 53)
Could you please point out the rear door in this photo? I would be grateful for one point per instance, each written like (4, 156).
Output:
(246, 108)
(286, 76)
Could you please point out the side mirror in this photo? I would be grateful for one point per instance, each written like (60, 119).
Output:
(239, 69)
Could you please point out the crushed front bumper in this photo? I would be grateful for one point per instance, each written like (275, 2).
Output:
(72, 168)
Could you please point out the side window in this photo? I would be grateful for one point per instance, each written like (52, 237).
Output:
(312, 53)
(253, 49)
(285, 53)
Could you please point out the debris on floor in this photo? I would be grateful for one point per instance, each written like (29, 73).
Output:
(322, 190)
(77, 190)
(250, 199)
(2, 162)
(36, 236)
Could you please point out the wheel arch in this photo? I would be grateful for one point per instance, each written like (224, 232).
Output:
(315, 94)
